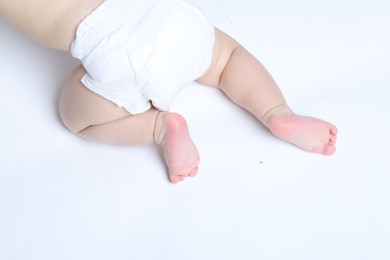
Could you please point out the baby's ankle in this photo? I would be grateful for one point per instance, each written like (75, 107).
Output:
(281, 110)
(159, 127)
(168, 123)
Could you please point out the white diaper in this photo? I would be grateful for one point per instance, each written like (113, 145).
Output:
(138, 52)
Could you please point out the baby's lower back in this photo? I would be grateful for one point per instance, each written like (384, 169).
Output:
(50, 22)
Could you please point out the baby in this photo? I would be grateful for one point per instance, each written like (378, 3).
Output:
(136, 57)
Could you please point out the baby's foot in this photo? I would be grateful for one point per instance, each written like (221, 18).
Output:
(310, 134)
(181, 155)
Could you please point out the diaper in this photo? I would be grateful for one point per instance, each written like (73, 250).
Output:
(139, 53)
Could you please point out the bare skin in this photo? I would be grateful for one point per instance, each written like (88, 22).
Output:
(50, 22)
(233, 70)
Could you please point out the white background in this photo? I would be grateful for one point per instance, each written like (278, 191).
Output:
(62, 197)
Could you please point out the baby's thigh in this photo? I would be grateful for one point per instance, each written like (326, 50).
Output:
(222, 51)
(81, 108)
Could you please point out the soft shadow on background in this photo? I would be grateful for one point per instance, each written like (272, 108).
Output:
(62, 197)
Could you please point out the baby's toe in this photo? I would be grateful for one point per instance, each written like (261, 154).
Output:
(177, 178)
(333, 130)
(333, 139)
(194, 172)
(174, 179)
(329, 149)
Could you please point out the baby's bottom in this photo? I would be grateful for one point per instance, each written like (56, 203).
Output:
(234, 71)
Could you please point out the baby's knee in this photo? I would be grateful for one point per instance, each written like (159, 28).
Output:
(68, 117)
(68, 107)
(81, 108)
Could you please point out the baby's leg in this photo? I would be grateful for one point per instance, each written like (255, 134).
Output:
(245, 80)
(98, 119)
